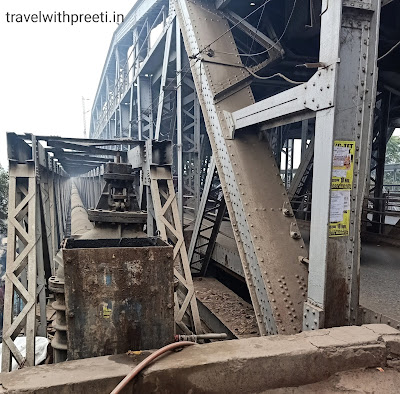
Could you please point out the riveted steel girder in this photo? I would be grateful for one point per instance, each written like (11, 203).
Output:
(250, 179)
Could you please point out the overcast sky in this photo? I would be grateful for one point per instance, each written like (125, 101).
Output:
(46, 68)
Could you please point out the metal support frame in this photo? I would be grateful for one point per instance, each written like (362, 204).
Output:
(347, 75)
(161, 97)
(23, 225)
(211, 172)
(169, 226)
(207, 223)
(36, 182)
(289, 152)
(155, 160)
(250, 179)
(378, 155)
(349, 32)
(190, 135)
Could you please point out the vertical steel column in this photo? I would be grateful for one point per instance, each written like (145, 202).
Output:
(349, 37)
(144, 108)
(289, 162)
(169, 226)
(179, 130)
(58, 203)
(124, 120)
(45, 191)
(304, 137)
(139, 108)
(191, 137)
(164, 72)
(378, 216)
(24, 226)
(53, 219)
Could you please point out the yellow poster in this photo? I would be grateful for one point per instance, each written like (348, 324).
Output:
(106, 311)
(341, 185)
(339, 221)
(343, 164)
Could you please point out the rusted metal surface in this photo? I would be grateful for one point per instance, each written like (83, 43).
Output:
(250, 178)
(99, 215)
(232, 311)
(119, 295)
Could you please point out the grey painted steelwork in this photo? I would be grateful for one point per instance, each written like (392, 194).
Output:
(141, 97)
(254, 207)
(127, 105)
(200, 213)
(207, 224)
(38, 188)
(350, 33)
(155, 190)
(299, 103)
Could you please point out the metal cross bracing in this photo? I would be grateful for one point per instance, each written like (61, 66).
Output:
(383, 130)
(142, 97)
(155, 161)
(38, 209)
(170, 227)
(38, 214)
(225, 125)
(299, 191)
(232, 66)
(208, 222)
(157, 196)
(236, 57)
(188, 134)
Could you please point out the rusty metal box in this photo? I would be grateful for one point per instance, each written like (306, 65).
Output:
(119, 295)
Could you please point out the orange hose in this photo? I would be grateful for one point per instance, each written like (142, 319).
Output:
(147, 361)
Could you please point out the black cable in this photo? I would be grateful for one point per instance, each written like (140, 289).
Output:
(254, 35)
(227, 31)
(272, 46)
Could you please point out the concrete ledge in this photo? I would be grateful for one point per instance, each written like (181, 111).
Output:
(92, 375)
(248, 365)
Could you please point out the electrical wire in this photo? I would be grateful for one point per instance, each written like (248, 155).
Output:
(272, 76)
(227, 31)
(251, 72)
(389, 51)
(272, 46)
(254, 35)
(249, 55)
(147, 361)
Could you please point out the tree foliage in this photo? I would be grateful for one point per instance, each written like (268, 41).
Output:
(3, 200)
(392, 157)
(393, 150)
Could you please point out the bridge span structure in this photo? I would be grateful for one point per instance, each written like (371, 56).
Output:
(209, 100)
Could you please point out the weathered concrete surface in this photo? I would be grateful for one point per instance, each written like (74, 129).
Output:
(92, 375)
(359, 381)
(251, 365)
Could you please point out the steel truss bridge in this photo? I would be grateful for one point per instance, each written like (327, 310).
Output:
(233, 85)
